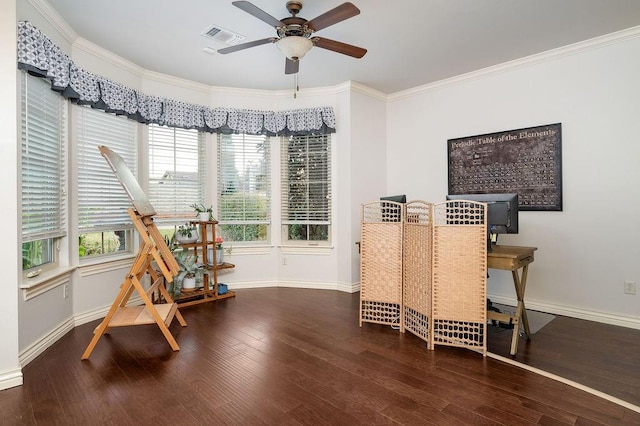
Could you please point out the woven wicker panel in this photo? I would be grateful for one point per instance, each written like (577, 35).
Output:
(416, 286)
(381, 263)
(459, 313)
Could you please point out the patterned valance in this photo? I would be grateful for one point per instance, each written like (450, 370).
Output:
(38, 55)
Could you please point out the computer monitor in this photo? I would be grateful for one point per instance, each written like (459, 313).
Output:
(502, 213)
(390, 212)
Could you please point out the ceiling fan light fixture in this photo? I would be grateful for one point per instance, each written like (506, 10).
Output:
(294, 47)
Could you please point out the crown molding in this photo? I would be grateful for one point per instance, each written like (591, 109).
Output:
(175, 81)
(99, 52)
(549, 55)
(368, 91)
(54, 18)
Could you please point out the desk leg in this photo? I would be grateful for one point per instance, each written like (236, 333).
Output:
(521, 311)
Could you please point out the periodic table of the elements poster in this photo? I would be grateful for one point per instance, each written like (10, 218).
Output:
(524, 161)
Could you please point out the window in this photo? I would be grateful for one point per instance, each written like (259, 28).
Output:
(244, 187)
(176, 169)
(43, 169)
(103, 222)
(306, 189)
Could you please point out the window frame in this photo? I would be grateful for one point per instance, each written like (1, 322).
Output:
(256, 188)
(121, 135)
(286, 221)
(174, 213)
(55, 238)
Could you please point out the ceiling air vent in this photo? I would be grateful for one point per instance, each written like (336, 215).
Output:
(218, 33)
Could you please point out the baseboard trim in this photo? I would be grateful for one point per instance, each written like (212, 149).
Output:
(569, 311)
(31, 352)
(347, 288)
(10, 379)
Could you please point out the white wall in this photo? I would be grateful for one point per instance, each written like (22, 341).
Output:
(367, 164)
(588, 250)
(10, 374)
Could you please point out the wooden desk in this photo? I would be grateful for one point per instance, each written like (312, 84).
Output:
(512, 258)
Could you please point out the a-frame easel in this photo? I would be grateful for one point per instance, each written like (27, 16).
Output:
(152, 249)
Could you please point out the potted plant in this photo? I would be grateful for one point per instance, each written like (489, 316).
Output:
(219, 252)
(204, 213)
(189, 272)
(186, 233)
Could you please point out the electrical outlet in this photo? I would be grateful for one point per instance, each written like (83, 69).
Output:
(629, 287)
(284, 261)
(65, 291)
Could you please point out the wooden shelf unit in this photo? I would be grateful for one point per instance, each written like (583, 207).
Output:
(204, 294)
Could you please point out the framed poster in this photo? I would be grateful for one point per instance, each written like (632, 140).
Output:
(525, 161)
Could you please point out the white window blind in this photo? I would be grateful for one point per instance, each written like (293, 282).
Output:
(102, 202)
(43, 161)
(176, 169)
(306, 187)
(244, 187)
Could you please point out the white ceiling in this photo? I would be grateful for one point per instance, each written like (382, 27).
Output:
(409, 42)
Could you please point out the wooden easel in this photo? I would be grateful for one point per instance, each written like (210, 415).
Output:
(152, 248)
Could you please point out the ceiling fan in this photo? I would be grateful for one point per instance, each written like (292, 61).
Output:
(295, 34)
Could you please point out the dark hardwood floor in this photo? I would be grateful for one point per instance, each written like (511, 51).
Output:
(282, 356)
(601, 356)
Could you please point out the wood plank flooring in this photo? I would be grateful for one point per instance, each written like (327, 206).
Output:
(601, 356)
(281, 356)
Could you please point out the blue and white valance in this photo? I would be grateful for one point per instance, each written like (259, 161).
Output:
(38, 55)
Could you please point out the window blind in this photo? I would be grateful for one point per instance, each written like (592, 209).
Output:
(306, 180)
(43, 161)
(102, 202)
(244, 185)
(176, 169)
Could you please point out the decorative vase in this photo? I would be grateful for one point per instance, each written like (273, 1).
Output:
(219, 253)
(188, 284)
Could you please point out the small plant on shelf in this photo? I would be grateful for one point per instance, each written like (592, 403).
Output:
(203, 212)
(187, 230)
(190, 271)
(186, 233)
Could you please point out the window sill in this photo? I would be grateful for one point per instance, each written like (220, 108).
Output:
(306, 249)
(239, 250)
(33, 287)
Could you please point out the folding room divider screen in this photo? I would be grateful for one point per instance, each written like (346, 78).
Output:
(459, 284)
(424, 269)
(381, 263)
(416, 268)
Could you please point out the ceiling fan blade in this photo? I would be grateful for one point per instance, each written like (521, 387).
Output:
(333, 16)
(291, 67)
(251, 9)
(337, 46)
(247, 45)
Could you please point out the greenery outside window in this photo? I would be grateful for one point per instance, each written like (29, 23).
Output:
(104, 225)
(43, 172)
(244, 188)
(306, 189)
